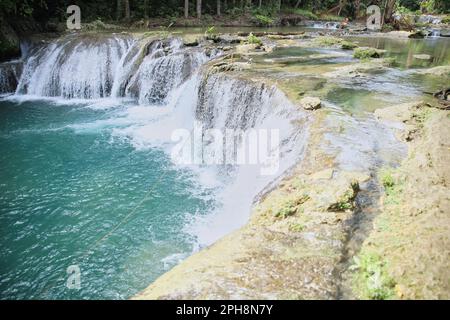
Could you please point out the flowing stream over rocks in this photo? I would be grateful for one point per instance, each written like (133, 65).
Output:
(146, 97)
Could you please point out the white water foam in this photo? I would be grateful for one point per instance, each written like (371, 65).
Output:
(170, 93)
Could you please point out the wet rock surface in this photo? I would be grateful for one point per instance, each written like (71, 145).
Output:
(406, 254)
(310, 103)
(290, 249)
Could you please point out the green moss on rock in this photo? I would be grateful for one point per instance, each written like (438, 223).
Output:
(367, 53)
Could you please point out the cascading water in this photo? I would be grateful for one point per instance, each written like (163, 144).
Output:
(171, 88)
(249, 109)
(9, 76)
(73, 67)
(164, 68)
(325, 25)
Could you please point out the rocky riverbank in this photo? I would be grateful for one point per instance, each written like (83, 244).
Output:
(329, 230)
(407, 253)
(292, 246)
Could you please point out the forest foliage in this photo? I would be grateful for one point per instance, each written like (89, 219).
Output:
(263, 10)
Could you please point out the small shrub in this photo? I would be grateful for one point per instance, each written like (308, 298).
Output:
(252, 39)
(296, 227)
(372, 279)
(288, 209)
(386, 178)
(291, 206)
(392, 187)
(264, 20)
(387, 28)
(211, 33)
(347, 200)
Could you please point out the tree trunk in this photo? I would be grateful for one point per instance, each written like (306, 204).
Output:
(260, 4)
(389, 10)
(146, 9)
(127, 9)
(298, 4)
(186, 9)
(218, 8)
(342, 4)
(357, 8)
(199, 9)
(119, 10)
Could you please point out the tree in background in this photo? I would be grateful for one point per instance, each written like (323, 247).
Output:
(43, 11)
(127, 9)
(389, 10)
(199, 9)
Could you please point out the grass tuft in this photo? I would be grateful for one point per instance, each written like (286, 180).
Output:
(372, 279)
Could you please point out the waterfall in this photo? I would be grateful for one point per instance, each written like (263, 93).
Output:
(231, 103)
(9, 76)
(249, 109)
(91, 67)
(73, 67)
(164, 68)
(325, 25)
(155, 73)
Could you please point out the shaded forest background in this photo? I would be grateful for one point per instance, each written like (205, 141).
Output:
(43, 11)
(19, 18)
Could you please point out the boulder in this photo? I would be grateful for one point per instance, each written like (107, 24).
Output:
(230, 39)
(310, 103)
(418, 34)
(246, 48)
(367, 52)
(191, 40)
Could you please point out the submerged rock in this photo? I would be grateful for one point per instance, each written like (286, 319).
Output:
(422, 56)
(310, 103)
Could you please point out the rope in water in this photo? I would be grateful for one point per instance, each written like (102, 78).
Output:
(88, 251)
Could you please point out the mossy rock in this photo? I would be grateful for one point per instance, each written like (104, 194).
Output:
(347, 45)
(328, 41)
(367, 53)
(418, 34)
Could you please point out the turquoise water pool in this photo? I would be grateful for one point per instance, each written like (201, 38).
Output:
(86, 198)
